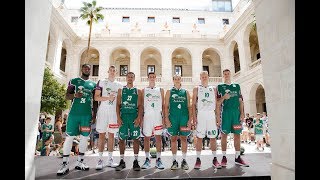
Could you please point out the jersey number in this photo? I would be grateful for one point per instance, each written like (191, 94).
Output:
(152, 105)
(135, 133)
(179, 106)
(83, 100)
(206, 95)
(129, 98)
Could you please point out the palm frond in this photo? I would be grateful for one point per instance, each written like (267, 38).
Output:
(94, 3)
(88, 22)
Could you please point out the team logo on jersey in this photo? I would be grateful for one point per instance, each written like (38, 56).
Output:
(108, 89)
(125, 103)
(234, 85)
(148, 94)
(174, 96)
(227, 90)
(210, 89)
(134, 92)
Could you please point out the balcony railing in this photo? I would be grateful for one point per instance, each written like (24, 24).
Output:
(145, 79)
(255, 63)
(186, 79)
(94, 78)
(121, 79)
(215, 79)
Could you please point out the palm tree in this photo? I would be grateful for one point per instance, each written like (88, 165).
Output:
(90, 12)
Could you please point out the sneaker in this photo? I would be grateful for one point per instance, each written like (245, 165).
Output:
(136, 166)
(184, 165)
(146, 164)
(241, 162)
(175, 165)
(198, 164)
(215, 163)
(159, 164)
(224, 161)
(100, 165)
(110, 163)
(82, 166)
(64, 169)
(121, 165)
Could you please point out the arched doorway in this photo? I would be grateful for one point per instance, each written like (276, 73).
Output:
(150, 61)
(120, 57)
(182, 64)
(92, 59)
(257, 99)
(211, 62)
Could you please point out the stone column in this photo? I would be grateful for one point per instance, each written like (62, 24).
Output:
(104, 62)
(57, 55)
(37, 21)
(166, 66)
(196, 56)
(242, 55)
(135, 63)
(51, 49)
(276, 33)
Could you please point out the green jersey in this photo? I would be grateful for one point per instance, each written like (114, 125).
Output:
(258, 128)
(83, 105)
(129, 100)
(234, 90)
(178, 101)
(46, 135)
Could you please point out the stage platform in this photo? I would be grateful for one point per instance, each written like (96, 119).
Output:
(260, 164)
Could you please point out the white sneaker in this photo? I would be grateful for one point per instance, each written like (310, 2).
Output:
(82, 166)
(100, 165)
(64, 169)
(110, 163)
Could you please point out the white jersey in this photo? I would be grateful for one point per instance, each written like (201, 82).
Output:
(206, 98)
(107, 88)
(152, 99)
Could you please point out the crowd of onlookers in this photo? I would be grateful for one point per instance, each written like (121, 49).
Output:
(50, 137)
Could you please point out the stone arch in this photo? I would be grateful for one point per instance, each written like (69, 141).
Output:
(120, 57)
(93, 59)
(181, 62)
(150, 60)
(257, 98)
(234, 51)
(211, 62)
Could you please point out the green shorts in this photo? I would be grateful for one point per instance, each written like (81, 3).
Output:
(179, 125)
(127, 128)
(231, 121)
(78, 124)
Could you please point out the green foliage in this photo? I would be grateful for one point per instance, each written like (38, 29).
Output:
(53, 94)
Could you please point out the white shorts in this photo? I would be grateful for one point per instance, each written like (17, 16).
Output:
(206, 124)
(107, 120)
(259, 137)
(152, 123)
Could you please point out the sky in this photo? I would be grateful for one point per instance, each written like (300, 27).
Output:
(185, 4)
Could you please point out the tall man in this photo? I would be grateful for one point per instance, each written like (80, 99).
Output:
(231, 106)
(153, 104)
(129, 113)
(80, 91)
(178, 119)
(204, 103)
(106, 93)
